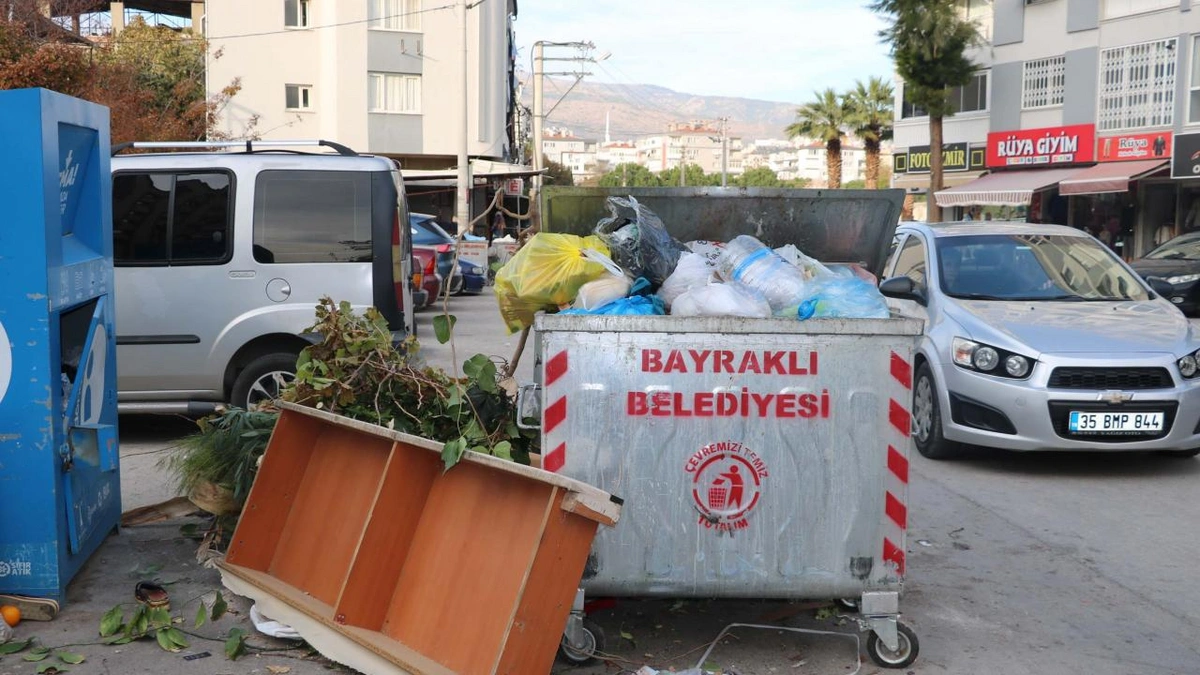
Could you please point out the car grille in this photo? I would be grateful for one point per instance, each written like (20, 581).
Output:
(1102, 379)
(1060, 417)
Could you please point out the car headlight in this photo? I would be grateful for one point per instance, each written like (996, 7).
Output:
(1189, 366)
(477, 271)
(988, 359)
(1182, 279)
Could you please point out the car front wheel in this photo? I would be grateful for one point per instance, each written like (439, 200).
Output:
(927, 418)
(263, 380)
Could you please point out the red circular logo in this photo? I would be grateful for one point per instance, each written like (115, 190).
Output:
(727, 480)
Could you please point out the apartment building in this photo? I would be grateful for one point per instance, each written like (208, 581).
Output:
(694, 142)
(382, 76)
(1083, 112)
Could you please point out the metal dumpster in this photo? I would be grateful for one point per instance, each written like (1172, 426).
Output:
(757, 458)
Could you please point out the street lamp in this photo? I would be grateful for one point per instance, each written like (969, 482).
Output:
(583, 55)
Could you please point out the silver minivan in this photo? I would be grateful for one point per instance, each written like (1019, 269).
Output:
(221, 258)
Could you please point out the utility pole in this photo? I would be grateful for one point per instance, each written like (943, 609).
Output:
(724, 151)
(463, 182)
(584, 50)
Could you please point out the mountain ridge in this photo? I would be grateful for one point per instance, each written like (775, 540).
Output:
(636, 110)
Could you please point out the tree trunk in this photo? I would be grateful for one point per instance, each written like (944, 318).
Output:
(906, 211)
(934, 213)
(833, 163)
(872, 148)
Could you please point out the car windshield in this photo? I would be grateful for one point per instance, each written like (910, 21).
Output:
(1033, 267)
(1186, 247)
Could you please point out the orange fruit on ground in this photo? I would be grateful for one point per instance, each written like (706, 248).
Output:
(12, 615)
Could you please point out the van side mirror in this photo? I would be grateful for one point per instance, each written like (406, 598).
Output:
(1160, 286)
(902, 288)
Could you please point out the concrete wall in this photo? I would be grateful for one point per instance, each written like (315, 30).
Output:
(1079, 99)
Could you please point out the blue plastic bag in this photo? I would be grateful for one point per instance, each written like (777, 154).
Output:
(642, 305)
(844, 297)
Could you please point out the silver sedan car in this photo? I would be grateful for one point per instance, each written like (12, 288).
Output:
(1037, 337)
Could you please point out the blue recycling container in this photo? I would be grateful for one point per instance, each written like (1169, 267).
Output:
(60, 491)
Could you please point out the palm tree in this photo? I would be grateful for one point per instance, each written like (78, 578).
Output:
(871, 119)
(929, 40)
(824, 119)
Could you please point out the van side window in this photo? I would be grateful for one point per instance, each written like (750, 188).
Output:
(911, 262)
(171, 218)
(312, 217)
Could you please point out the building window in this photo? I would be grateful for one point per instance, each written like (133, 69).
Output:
(969, 98)
(295, 13)
(394, 93)
(1194, 89)
(396, 15)
(1117, 8)
(298, 96)
(1137, 85)
(1044, 82)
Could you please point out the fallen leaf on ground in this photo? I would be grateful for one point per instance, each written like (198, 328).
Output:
(279, 670)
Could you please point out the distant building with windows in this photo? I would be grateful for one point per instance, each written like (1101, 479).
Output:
(1075, 116)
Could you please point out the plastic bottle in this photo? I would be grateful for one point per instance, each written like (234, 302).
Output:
(749, 261)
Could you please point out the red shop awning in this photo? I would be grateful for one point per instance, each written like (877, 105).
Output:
(1109, 177)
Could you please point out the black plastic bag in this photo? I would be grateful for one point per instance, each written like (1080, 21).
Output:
(638, 241)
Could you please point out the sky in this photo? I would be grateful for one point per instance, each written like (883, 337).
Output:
(774, 50)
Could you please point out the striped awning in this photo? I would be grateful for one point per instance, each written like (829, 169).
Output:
(1007, 188)
(920, 181)
(1110, 177)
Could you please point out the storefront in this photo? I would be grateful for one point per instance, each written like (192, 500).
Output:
(961, 163)
(1185, 175)
(1027, 167)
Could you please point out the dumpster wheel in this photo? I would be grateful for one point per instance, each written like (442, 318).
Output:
(902, 657)
(583, 654)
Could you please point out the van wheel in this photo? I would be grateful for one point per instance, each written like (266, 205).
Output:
(263, 380)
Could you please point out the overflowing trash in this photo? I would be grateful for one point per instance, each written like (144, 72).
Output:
(633, 266)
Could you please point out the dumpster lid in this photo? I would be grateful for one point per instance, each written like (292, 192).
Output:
(833, 226)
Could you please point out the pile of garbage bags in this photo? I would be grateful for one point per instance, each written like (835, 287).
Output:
(632, 266)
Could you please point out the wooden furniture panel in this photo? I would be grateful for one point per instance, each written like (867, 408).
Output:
(326, 522)
(470, 559)
(274, 492)
(537, 625)
(385, 546)
(355, 536)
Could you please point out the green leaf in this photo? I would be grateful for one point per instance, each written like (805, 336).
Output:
(304, 359)
(482, 370)
(118, 640)
(626, 635)
(165, 642)
(453, 451)
(219, 607)
(201, 615)
(38, 654)
(443, 324)
(177, 637)
(235, 645)
(160, 617)
(480, 449)
(503, 450)
(49, 668)
(70, 657)
(14, 647)
(112, 621)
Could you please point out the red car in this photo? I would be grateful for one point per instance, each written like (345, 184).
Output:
(425, 276)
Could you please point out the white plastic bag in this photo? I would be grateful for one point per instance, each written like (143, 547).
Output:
(602, 291)
(272, 628)
(811, 267)
(693, 270)
(728, 299)
(710, 250)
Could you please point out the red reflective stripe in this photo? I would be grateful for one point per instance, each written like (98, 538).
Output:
(897, 511)
(893, 554)
(902, 370)
(555, 459)
(556, 367)
(899, 417)
(898, 464)
(555, 414)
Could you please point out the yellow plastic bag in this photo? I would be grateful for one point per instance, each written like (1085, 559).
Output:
(546, 273)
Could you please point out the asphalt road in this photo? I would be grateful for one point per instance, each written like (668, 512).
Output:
(1018, 564)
